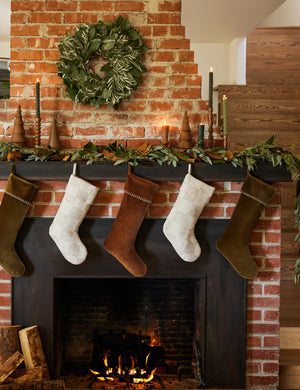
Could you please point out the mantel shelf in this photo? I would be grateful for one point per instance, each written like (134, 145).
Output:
(54, 170)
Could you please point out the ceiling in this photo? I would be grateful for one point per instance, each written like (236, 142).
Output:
(211, 21)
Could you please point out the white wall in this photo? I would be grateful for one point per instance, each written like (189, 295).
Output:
(215, 55)
(237, 61)
(288, 14)
(4, 28)
(227, 60)
(4, 50)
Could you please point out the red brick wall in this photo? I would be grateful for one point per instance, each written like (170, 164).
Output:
(170, 86)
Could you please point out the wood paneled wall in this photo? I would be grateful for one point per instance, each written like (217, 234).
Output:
(270, 103)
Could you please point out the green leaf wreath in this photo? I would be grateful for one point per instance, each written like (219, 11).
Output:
(119, 44)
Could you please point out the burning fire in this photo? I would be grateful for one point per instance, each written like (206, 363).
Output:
(128, 374)
(150, 377)
(125, 359)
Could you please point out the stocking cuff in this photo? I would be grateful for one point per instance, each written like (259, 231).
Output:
(81, 189)
(20, 189)
(205, 189)
(140, 188)
(257, 190)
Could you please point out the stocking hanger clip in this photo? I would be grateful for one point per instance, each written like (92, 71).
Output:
(75, 169)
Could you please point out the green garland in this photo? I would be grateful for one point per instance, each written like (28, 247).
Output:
(249, 157)
(116, 42)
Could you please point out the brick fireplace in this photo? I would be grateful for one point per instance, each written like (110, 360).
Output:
(262, 306)
(170, 86)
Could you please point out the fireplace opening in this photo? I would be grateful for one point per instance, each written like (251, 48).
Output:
(132, 330)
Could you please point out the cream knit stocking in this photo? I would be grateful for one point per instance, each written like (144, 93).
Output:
(78, 197)
(180, 224)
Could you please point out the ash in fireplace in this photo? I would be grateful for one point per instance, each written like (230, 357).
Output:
(84, 382)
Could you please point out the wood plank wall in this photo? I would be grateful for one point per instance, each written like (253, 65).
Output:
(268, 104)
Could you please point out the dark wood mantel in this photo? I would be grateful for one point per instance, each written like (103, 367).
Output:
(53, 170)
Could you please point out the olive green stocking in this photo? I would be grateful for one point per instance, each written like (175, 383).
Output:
(234, 242)
(17, 198)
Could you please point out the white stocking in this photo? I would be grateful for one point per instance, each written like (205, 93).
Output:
(78, 197)
(180, 225)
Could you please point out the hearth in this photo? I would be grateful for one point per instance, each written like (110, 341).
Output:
(210, 306)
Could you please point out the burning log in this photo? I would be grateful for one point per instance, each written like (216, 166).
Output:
(32, 349)
(125, 358)
(9, 341)
(10, 365)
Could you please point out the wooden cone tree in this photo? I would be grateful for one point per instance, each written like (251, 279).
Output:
(185, 138)
(54, 142)
(18, 133)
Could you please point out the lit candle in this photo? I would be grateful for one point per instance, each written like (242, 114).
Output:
(37, 98)
(165, 134)
(210, 89)
(224, 100)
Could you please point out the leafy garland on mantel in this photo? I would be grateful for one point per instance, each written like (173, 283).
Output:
(249, 157)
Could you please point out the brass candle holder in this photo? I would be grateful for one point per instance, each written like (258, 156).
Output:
(37, 131)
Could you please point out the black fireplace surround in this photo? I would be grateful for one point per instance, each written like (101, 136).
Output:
(37, 295)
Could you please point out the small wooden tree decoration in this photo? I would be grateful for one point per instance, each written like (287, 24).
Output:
(18, 133)
(185, 138)
(54, 142)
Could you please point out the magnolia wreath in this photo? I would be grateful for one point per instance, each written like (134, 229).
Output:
(118, 46)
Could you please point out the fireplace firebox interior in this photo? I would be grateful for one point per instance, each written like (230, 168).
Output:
(96, 313)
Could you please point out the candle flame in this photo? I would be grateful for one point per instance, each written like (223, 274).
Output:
(224, 97)
(211, 69)
(165, 123)
(37, 80)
